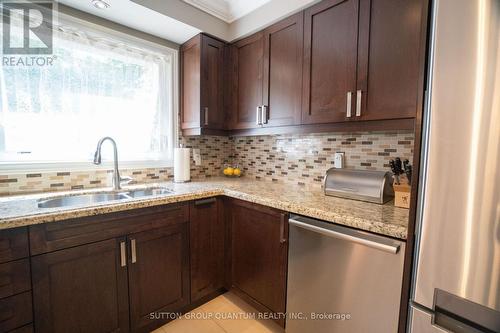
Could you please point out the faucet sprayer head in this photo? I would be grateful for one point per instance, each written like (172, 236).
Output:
(97, 156)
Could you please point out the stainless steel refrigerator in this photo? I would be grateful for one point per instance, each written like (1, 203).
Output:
(456, 281)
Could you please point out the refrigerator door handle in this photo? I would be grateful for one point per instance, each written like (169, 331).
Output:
(340, 235)
(456, 313)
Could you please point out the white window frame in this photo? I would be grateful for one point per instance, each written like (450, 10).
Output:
(7, 168)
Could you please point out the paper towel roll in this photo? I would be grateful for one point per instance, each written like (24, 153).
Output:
(182, 171)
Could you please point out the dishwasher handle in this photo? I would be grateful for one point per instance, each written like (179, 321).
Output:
(340, 235)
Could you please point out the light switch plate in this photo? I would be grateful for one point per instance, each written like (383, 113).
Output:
(197, 157)
(338, 160)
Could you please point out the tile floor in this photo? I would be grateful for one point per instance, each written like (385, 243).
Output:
(224, 314)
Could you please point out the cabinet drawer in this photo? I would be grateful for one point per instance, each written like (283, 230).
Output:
(60, 235)
(15, 311)
(13, 244)
(14, 277)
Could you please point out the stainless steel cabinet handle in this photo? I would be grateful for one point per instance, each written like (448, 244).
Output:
(358, 103)
(258, 120)
(264, 114)
(205, 115)
(336, 234)
(133, 248)
(349, 100)
(123, 255)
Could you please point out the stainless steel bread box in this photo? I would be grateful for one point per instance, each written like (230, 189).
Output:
(364, 185)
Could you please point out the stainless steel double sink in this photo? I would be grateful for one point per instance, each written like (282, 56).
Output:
(94, 198)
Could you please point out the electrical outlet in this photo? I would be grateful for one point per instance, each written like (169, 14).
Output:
(197, 157)
(338, 160)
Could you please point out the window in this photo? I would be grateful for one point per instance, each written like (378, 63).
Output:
(101, 83)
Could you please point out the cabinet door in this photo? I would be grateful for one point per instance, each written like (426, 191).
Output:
(330, 52)
(391, 58)
(190, 83)
(158, 270)
(247, 76)
(206, 232)
(259, 253)
(212, 67)
(283, 47)
(81, 289)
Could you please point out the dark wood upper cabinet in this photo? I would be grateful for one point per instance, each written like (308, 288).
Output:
(202, 85)
(340, 65)
(212, 83)
(330, 53)
(247, 82)
(158, 270)
(191, 84)
(81, 289)
(207, 247)
(258, 255)
(282, 85)
(391, 58)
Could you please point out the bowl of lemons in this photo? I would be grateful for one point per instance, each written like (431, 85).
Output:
(232, 171)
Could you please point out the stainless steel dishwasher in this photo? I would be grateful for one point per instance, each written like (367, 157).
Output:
(341, 279)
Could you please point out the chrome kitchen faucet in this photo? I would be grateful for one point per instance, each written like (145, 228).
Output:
(117, 180)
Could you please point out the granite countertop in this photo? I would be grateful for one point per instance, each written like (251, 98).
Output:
(16, 211)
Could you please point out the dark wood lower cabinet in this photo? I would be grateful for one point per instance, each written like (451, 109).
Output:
(25, 329)
(153, 267)
(258, 251)
(81, 289)
(111, 273)
(16, 306)
(13, 244)
(158, 275)
(14, 277)
(15, 311)
(207, 247)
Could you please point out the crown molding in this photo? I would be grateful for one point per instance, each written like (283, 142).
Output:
(226, 10)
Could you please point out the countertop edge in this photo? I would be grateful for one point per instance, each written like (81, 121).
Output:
(391, 230)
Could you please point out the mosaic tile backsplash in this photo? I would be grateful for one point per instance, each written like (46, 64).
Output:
(304, 159)
(301, 159)
(214, 151)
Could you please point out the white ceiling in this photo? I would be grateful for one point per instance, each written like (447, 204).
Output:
(227, 10)
(138, 17)
(179, 20)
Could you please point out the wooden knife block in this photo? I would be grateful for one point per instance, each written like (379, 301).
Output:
(402, 194)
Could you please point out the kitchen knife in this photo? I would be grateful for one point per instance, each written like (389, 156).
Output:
(394, 170)
(407, 167)
(398, 165)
